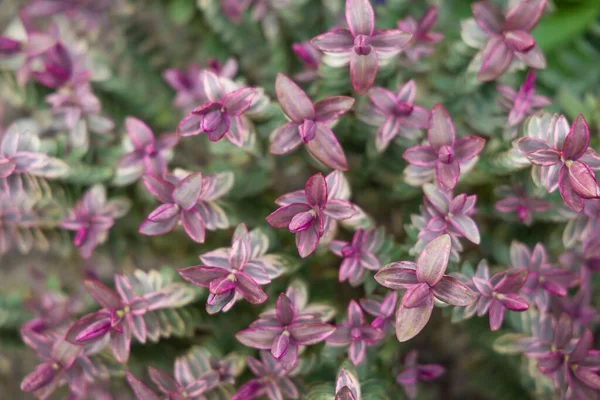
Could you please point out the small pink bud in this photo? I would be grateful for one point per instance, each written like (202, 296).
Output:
(446, 154)
(211, 120)
(307, 130)
(404, 109)
(362, 45)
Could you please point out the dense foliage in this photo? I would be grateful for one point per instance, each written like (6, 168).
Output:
(314, 199)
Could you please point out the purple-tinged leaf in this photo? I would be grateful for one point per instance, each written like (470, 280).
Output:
(488, 16)
(389, 40)
(326, 148)
(159, 188)
(411, 321)
(441, 129)
(360, 17)
(331, 108)
(466, 227)
(519, 40)
(285, 310)
(120, 343)
(307, 241)
(315, 190)
(416, 295)
(282, 217)
(238, 101)
(433, 260)
(311, 332)
(583, 181)
(452, 291)
(578, 139)
(496, 58)
(103, 295)
(164, 212)
(421, 155)
(293, 100)
(139, 133)
(202, 276)
(249, 289)
(164, 381)
(567, 192)
(141, 391)
(334, 41)
(496, 314)
(302, 221)
(397, 278)
(363, 70)
(280, 345)
(447, 174)
(563, 332)
(524, 15)
(260, 337)
(187, 191)
(284, 139)
(468, 147)
(339, 209)
(40, 377)
(513, 302)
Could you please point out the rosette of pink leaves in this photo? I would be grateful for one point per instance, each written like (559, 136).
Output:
(347, 386)
(499, 293)
(122, 315)
(182, 386)
(308, 213)
(518, 202)
(362, 45)
(571, 363)
(566, 160)
(311, 58)
(355, 333)
(414, 372)
(509, 36)
(285, 333)
(19, 155)
(236, 272)
(422, 41)
(189, 198)
(543, 280)
(443, 154)
(32, 49)
(271, 380)
(424, 281)
(74, 104)
(358, 255)
(383, 311)
(188, 82)
(146, 154)
(451, 215)
(522, 103)
(222, 115)
(58, 356)
(92, 217)
(338, 188)
(309, 124)
(394, 114)
(62, 363)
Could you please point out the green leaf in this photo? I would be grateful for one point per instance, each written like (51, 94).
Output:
(181, 11)
(565, 25)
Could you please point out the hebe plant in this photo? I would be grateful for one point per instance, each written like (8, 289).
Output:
(438, 182)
